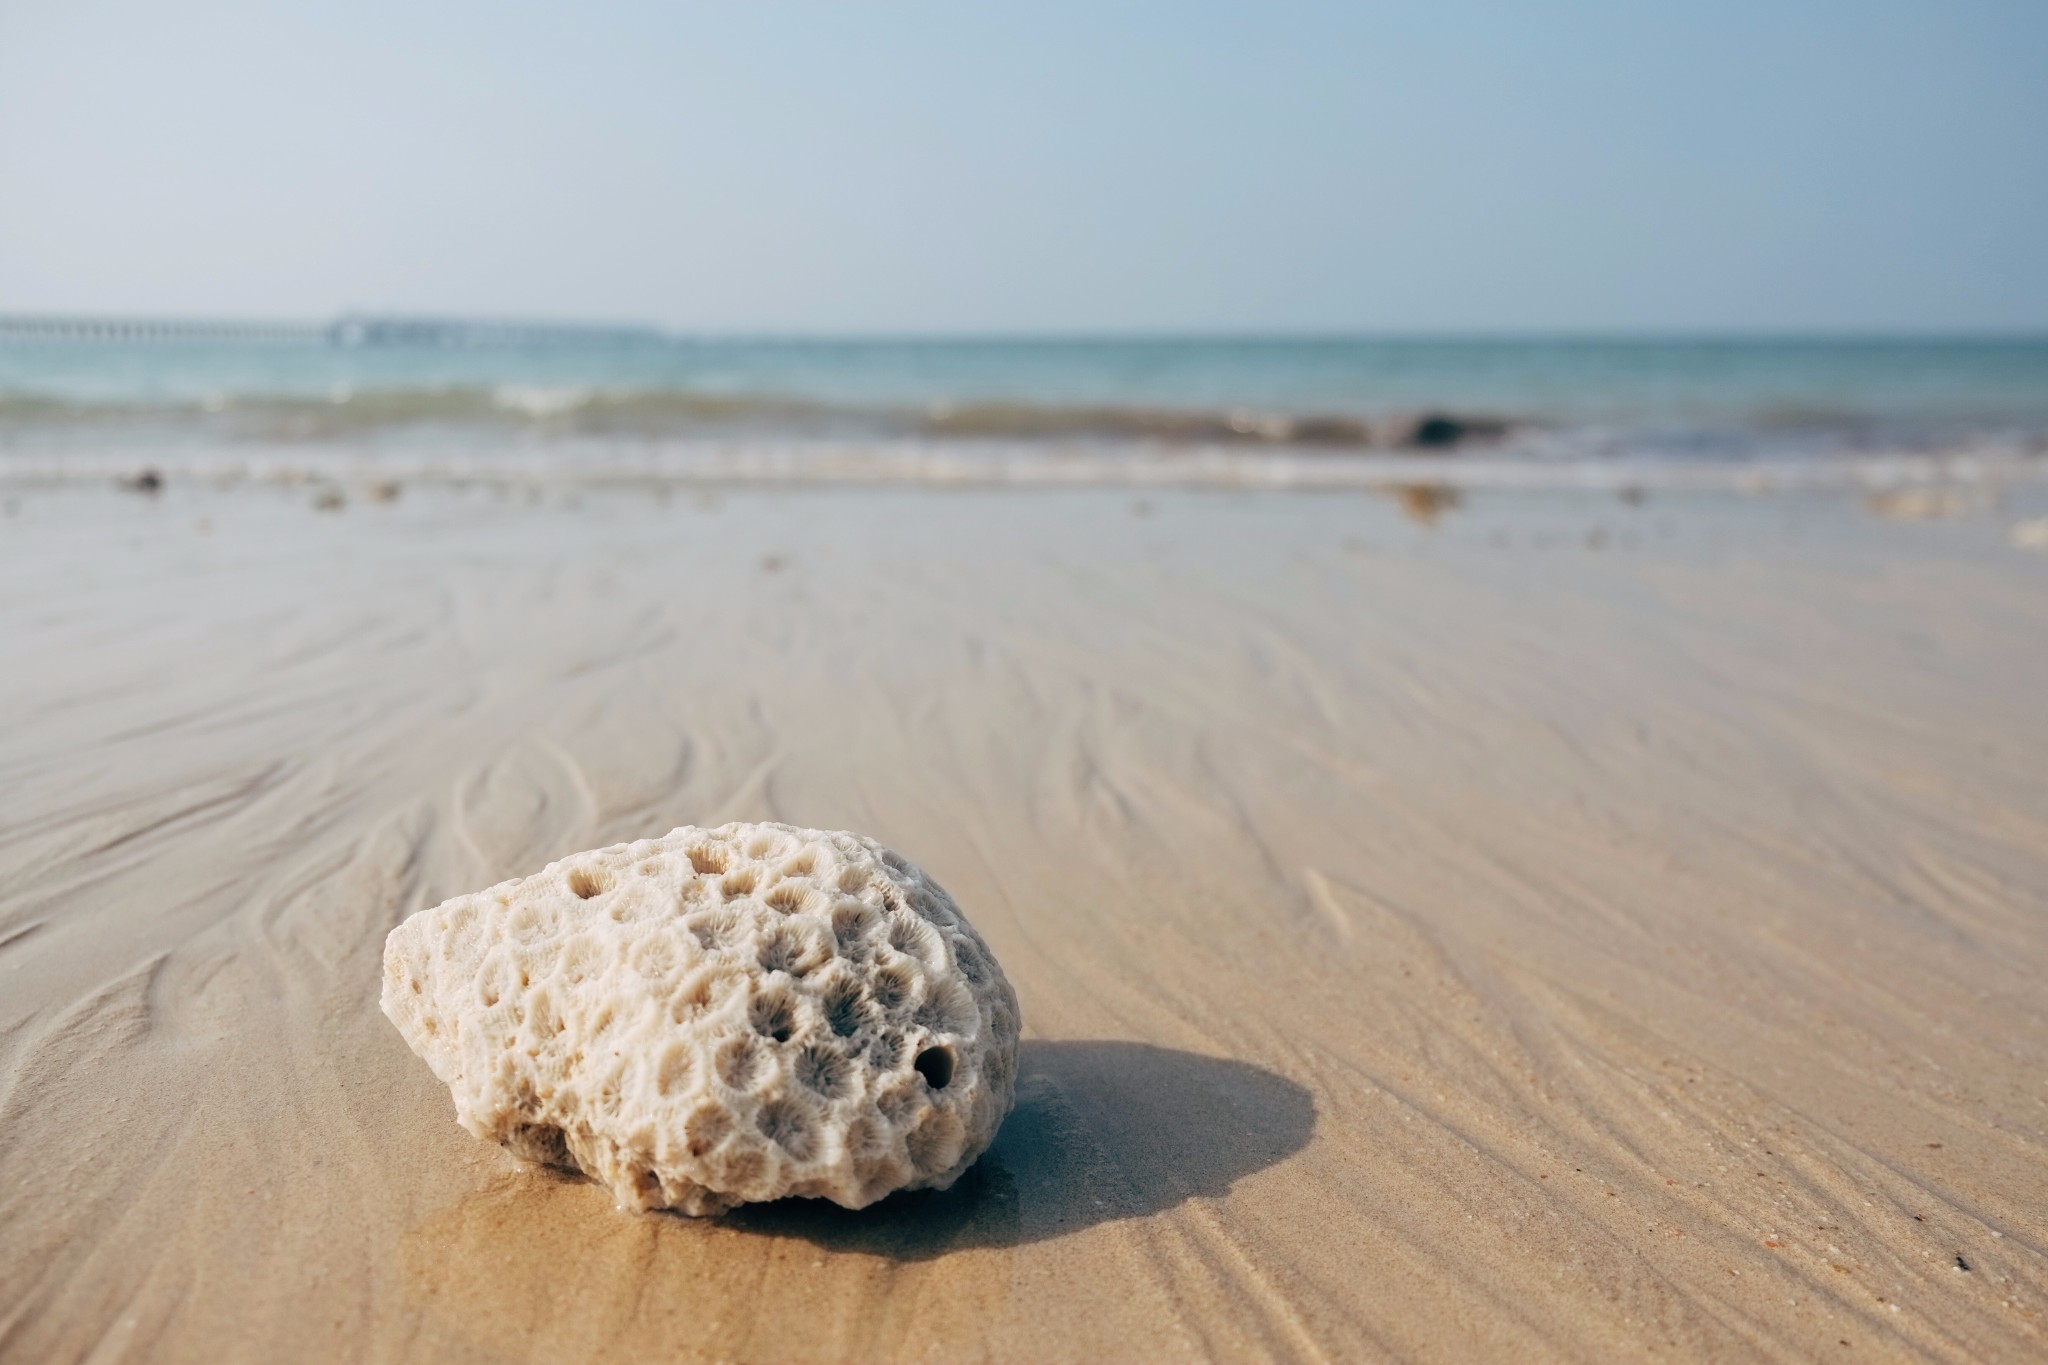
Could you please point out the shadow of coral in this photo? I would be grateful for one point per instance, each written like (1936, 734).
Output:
(1102, 1131)
(538, 1264)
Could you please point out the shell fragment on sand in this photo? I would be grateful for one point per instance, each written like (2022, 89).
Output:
(715, 1017)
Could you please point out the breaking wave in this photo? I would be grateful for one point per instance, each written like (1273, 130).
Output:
(578, 411)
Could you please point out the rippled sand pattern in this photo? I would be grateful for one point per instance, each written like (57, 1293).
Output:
(1478, 939)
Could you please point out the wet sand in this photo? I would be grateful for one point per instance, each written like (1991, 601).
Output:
(1551, 928)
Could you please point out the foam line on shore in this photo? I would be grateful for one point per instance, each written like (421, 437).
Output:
(1012, 465)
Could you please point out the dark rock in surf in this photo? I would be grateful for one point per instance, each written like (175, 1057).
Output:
(1441, 431)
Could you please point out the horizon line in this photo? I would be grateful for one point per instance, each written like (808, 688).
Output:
(353, 325)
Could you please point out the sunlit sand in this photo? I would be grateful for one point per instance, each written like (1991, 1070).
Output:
(1504, 927)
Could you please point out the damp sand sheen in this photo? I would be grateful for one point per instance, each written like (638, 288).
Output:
(1558, 930)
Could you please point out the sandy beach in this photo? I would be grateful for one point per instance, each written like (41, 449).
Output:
(1542, 927)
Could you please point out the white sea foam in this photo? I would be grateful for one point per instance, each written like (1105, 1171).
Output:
(1006, 464)
(537, 400)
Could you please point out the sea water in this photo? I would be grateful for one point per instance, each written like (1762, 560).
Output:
(359, 391)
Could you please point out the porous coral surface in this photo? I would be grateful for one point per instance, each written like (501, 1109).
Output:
(716, 1017)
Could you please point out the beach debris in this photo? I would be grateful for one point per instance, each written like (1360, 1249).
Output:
(716, 1017)
(386, 490)
(329, 500)
(1423, 503)
(1436, 430)
(144, 481)
(2031, 535)
(1923, 504)
(1441, 431)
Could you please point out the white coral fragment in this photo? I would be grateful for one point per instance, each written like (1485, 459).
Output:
(716, 1017)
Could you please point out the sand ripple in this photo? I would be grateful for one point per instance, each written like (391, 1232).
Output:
(1478, 941)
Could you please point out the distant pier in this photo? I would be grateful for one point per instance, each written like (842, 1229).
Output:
(350, 330)
(159, 330)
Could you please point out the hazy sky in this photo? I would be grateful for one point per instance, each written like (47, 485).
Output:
(1451, 165)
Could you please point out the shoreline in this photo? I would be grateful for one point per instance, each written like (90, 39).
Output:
(1009, 465)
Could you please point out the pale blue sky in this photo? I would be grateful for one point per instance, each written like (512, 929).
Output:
(850, 167)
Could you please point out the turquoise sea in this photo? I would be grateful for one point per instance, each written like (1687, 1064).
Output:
(374, 385)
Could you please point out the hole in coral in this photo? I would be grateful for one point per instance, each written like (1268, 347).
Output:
(585, 882)
(541, 1142)
(763, 845)
(821, 1069)
(851, 922)
(911, 936)
(581, 960)
(788, 897)
(736, 1170)
(845, 1011)
(801, 865)
(696, 996)
(705, 1129)
(788, 1127)
(935, 1064)
(885, 1051)
(947, 1008)
(894, 983)
(773, 1015)
(676, 1067)
(863, 1138)
(706, 858)
(739, 1061)
(898, 1102)
(739, 883)
(783, 953)
(852, 879)
(655, 957)
(710, 929)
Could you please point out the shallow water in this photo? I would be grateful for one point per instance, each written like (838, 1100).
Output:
(1553, 400)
